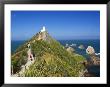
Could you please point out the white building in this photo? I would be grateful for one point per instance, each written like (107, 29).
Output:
(43, 29)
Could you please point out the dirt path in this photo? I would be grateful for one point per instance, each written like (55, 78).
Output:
(25, 67)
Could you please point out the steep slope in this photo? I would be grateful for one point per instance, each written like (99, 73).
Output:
(51, 58)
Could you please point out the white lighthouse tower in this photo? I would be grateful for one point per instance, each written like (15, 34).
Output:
(43, 29)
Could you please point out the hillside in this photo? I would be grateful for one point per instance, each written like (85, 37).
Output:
(50, 58)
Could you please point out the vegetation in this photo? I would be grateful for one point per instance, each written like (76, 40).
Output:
(52, 59)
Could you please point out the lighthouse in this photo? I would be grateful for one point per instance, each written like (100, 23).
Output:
(43, 29)
(42, 34)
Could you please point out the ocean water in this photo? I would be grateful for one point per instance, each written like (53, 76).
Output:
(94, 43)
(16, 44)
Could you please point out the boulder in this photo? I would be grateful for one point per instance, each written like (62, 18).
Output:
(73, 45)
(95, 60)
(81, 47)
(70, 49)
(66, 45)
(90, 50)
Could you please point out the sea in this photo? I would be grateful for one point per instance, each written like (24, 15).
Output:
(74, 44)
(94, 43)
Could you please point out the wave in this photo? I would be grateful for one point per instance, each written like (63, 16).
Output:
(97, 54)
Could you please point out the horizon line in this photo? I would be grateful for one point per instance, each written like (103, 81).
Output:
(61, 39)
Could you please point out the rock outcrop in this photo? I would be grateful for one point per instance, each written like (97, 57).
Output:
(73, 45)
(66, 45)
(70, 49)
(42, 34)
(94, 59)
(90, 50)
(81, 47)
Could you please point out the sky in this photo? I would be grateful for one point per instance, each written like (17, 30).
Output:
(61, 25)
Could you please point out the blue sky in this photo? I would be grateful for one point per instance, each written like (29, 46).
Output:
(60, 24)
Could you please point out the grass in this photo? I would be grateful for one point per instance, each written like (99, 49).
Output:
(52, 60)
